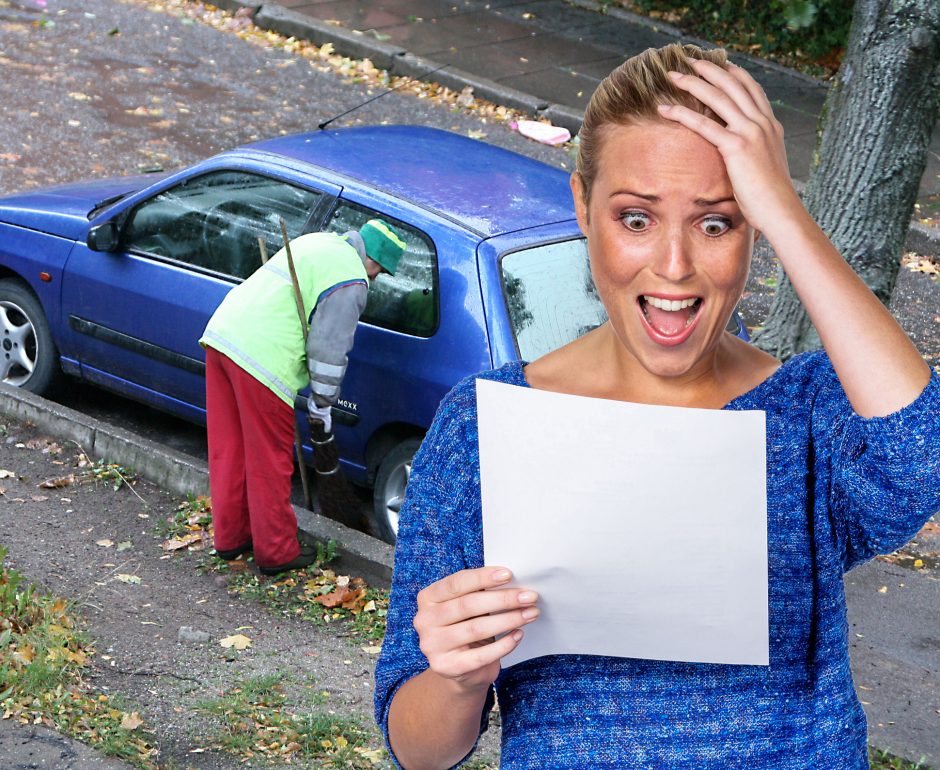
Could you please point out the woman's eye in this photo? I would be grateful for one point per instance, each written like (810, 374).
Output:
(715, 225)
(636, 221)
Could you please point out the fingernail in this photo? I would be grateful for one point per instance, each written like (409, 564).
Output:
(674, 75)
(527, 597)
(517, 635)
(530, 613)
(664, 108)
(502, 575)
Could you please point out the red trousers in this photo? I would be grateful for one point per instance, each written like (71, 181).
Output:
(251, 459)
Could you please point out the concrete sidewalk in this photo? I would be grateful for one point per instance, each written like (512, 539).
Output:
(544, 56)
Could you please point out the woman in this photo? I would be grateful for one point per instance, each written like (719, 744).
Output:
(681, 165)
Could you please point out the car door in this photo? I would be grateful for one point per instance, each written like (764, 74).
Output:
(422, 331)
(136, 314)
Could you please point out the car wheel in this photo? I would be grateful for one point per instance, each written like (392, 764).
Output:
(28, 356)
(389, 491)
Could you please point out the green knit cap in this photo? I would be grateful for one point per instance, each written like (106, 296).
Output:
(383, 244)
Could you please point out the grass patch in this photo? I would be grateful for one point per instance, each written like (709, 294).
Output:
(42, 660)
(256, 721)
(320, 596)
(882, 760)
(190, 526)
(91, 471)
(315, 594)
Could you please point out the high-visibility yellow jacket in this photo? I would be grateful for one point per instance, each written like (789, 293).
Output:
(257, 324)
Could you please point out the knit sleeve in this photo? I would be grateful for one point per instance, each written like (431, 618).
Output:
(439, 534)
(885, 472)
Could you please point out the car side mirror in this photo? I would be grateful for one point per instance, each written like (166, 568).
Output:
(103, 237)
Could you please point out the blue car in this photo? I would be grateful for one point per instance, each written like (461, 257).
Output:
(113, 281)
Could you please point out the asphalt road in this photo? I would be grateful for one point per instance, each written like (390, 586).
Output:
(94, 88)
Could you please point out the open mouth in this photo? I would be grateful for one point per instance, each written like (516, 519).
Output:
(670, 319)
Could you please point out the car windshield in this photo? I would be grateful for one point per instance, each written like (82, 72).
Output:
(550, 295)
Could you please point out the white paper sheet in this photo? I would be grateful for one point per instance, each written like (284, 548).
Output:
(643, 528)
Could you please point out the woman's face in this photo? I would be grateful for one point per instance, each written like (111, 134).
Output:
(669, 248)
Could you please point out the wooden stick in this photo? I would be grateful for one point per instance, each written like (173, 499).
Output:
(298, 445)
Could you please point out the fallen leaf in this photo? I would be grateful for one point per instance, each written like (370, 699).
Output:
(131, 721)
(123, 546)
(336, 597)
(132, 579)
(883, 590)
(62, 481)
(372, 649)
(176, 543)
(918, 563)
(38, 498)
(238, 641)
(25, 653)
(5, 474)
(105, 543)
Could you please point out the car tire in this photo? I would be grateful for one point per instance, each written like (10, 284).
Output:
(28, 356)
(389, 491)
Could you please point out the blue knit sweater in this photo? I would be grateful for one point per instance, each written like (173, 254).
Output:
(840, 490)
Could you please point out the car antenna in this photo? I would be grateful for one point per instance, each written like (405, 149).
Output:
(325, 123)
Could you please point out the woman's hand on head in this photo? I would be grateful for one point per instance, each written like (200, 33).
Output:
(751, 142)
(467, 622)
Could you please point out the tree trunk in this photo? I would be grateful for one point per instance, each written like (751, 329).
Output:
(872, 151)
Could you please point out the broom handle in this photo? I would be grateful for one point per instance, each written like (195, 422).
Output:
(298, 299)
(298, 446)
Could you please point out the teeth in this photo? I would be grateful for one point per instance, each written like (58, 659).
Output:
(670, 305)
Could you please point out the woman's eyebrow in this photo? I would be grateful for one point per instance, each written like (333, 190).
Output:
(645, 196)
(705, 202)
(700, 202)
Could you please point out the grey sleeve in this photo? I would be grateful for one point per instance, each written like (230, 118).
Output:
(330, 339)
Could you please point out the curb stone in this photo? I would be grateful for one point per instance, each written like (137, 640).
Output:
(923, 239)
(359, 45)
(356, 45)
(182, 474)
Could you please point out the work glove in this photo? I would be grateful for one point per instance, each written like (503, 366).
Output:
(319, 414)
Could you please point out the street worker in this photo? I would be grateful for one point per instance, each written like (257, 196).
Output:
(681, 164)
(256, 361)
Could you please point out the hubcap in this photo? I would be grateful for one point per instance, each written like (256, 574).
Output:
(20, 346)
(395, 493)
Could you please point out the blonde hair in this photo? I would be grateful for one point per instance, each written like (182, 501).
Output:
(631, 93)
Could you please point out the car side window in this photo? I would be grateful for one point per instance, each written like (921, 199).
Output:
(407, 301)
(214, 220)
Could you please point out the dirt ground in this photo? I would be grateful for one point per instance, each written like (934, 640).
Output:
(68, 541)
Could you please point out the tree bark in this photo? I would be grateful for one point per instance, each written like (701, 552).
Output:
(872, 150)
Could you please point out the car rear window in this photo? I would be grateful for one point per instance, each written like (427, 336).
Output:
(550, 295)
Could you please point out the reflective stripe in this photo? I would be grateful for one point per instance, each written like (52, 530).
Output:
(269, 265)
(272, 381)
(322, 389)
(328, 370)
